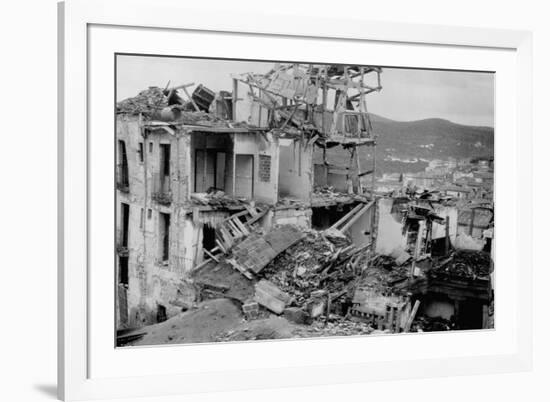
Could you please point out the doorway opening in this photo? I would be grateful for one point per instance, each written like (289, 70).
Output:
(208, 237)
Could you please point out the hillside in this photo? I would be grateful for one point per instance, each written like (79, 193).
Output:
(408, 146)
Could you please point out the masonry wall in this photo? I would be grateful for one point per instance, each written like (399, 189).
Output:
(266, 180)
(152, 281)
(296, 171)
(438, 230)
(361, 231)
(300, 217)
(390, 234)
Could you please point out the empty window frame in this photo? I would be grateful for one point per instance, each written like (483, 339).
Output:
(123, 181)
(164, 236)
(140, 152)
(123, 278)
(164, 168)
(210, 168)
(125, 223)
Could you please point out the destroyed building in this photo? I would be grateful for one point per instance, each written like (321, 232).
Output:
(219, 195)
(184, 168)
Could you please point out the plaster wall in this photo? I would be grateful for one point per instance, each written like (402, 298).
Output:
(438, 230)
(390, 232)
(265, 191)
(151, 281)
(289, 216)
(361, 230)
(296, 171)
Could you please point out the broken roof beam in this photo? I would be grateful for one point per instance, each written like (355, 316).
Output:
(368, 91)
(341, 84)
(267, 91)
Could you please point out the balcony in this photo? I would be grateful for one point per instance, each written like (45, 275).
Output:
(162, 192)
(122, 178)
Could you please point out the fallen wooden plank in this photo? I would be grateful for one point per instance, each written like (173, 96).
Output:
(240, 225)
(251, 210)
(256, 217)
(357, 215)
(211, 255)
(125, 339)
(202, 264)
(221, 246)
(346, 217)
(411, 316)
(242, 270)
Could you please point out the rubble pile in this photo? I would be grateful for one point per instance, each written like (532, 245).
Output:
(216, 198)
(314, 264)
(468, 264)
(383, 271)
(148, 102)
(429, 324)
(154, 103)
(336, 326)
(200, 118)
(327, 195)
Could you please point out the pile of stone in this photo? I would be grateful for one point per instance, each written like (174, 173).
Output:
(148, 102)
(311, 265)
(467, 264)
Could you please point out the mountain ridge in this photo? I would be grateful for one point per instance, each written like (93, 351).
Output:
(378, 118)
(408, 146)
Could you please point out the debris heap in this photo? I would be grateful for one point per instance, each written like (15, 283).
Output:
(467, 264)
(314, 264)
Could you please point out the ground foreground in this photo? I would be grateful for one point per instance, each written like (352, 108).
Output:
(222, 320)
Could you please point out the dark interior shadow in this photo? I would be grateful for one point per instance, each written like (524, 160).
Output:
(47, 389)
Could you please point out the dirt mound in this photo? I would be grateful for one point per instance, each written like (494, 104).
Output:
(222, 280)
(203, 324)
(268, 328)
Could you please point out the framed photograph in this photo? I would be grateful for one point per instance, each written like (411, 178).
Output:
(247, 204)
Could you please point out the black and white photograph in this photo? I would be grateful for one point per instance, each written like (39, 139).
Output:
(263, 200)
(275, 201)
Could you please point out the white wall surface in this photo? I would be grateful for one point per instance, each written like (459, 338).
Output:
(28, 201)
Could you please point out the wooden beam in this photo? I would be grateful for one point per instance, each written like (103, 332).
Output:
(234, 179)
(212, 256)
(411, 316)
(357, 216)
(347, 216)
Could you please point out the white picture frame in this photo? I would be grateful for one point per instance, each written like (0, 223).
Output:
(80, 377)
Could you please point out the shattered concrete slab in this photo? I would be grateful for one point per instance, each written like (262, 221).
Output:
(271, 297)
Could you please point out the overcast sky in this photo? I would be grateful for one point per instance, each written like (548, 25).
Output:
(407, 94)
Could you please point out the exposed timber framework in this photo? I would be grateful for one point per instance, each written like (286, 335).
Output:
(321, 104)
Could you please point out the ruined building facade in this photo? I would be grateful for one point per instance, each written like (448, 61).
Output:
(193, 176)
(182, 171)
